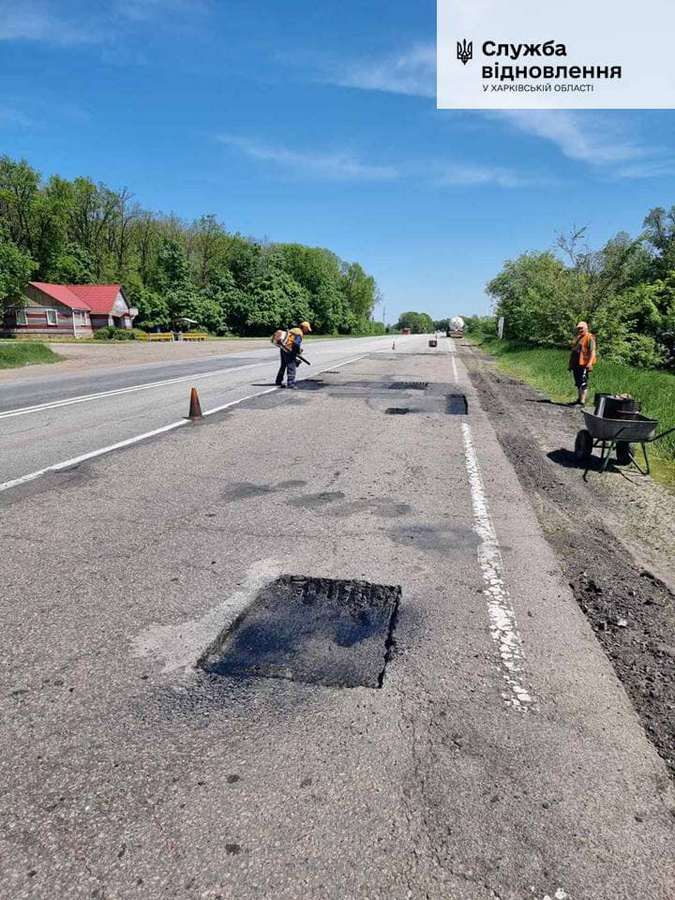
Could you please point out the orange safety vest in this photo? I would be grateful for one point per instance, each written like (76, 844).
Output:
(583, 351)
(289, 343)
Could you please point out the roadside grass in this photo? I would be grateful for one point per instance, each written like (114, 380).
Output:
(546, 370)
(14, 355)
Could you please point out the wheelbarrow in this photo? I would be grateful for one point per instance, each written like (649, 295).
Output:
(616, 436)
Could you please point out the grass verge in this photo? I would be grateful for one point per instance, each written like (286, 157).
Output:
(13, 355)
(546, 370)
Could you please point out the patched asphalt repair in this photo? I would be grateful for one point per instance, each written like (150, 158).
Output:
(131, 771)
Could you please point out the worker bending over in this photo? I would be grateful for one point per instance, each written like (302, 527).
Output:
(290, 347)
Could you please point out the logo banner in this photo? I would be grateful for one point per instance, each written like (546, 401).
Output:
(535, 54)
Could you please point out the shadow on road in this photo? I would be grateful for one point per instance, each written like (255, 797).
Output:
(569, 405)
(568, 460)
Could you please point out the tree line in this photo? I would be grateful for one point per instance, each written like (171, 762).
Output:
(78, 231)
(625, 291)
(417, 322)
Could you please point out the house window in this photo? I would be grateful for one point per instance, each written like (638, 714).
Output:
(21, 318)
(51, 316)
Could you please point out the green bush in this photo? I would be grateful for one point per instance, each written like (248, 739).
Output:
(640, 351)
(110, 333)
(481, 327)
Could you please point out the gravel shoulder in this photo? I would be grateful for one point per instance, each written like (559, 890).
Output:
(82, 358)
(613, 536)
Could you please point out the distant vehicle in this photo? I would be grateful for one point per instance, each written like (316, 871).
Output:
(456, 329)
(405, 331)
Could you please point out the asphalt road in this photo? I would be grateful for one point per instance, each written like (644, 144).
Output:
(499, 758)
(59, 418)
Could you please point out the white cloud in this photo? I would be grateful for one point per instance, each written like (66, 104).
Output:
(339, 166)
(342, 166)
(35, 21)
(412, 73)
(43, 21)
(461, 175)
(584, 136)
(600, 140)
(143, 10)
(11, 116)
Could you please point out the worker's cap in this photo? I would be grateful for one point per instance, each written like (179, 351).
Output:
(305, 326)
(581, 326)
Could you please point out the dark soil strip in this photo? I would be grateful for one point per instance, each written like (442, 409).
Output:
(631, 611)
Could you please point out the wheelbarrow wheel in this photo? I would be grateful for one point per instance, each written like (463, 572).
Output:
(623, 454)
(583, 445)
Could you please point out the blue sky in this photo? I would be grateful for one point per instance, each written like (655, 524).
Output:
(316, 122)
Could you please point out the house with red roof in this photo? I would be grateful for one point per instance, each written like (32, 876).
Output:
(69, 310)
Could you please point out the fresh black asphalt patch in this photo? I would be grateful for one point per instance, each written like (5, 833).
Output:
(431, 397)
(457, 405)
(320, 631)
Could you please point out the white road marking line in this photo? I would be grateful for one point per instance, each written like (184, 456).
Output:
(56, 404)
(503, 624)
(57, 467)
(92, 454)
(453, 352)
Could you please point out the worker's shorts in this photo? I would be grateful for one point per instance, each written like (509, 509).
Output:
(581, 376)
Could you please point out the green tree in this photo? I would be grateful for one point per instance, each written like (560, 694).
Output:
(80, 231)
(73, 265)
(418, 323)
(172, 270)
(360, 290)
(275, 300)
(153, 310)
(19, 184)
(659, 233)
(540, 299)
(16, 269)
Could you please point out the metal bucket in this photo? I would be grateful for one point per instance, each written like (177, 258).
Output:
(618, 408)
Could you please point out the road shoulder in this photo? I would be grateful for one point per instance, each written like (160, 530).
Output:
(619, 571)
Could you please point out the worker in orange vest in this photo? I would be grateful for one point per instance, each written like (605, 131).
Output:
(290, 345)
(582, 361)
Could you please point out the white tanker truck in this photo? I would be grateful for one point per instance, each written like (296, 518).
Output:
(456, 329)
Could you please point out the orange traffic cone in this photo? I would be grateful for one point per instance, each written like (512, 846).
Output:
(195, 406)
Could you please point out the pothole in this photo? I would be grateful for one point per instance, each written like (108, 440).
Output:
(409, 386)
(323, 631)
(456, 405)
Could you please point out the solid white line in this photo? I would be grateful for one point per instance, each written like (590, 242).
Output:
(453, 352)
(57, 467)
(503, 625)
(68, 463)
(57, 404)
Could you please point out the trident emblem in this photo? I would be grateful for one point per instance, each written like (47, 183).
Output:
(464, 51)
